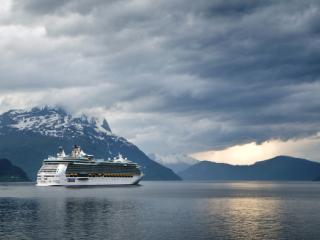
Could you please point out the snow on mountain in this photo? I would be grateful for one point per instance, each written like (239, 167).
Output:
(54, 122)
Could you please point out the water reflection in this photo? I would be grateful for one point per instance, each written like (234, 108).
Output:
(62, 218)
(162, 211)
(17, 217)
(246, 218)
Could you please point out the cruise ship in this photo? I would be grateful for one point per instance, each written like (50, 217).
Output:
(81, 169)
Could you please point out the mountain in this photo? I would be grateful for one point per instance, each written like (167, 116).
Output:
(176, 162)
(28, 136)
(178, 166)
(278, 168)
(11, 173)
(317, 179)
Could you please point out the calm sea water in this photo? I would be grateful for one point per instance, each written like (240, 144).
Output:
(163, 210)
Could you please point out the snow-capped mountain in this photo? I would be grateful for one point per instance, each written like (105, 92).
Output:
(28, 136)
(54, 122)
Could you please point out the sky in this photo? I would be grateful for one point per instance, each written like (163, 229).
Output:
(219, 80)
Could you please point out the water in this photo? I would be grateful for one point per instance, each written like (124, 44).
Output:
(163, 210)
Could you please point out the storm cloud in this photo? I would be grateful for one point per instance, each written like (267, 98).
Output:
(171, 76)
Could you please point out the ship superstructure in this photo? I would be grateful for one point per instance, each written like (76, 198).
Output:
(81, 169)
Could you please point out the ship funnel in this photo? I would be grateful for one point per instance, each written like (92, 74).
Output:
(76, 152)
(61, 152)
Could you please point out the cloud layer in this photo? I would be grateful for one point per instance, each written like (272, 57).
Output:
(172, 76)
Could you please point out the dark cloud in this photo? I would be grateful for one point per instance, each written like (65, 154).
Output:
(190, 75)
(42, 7)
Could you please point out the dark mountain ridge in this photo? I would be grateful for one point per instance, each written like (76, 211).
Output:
(11, 173)
(29, 136)
(284, 168)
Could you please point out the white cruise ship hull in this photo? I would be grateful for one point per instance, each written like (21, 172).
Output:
(97, 181)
